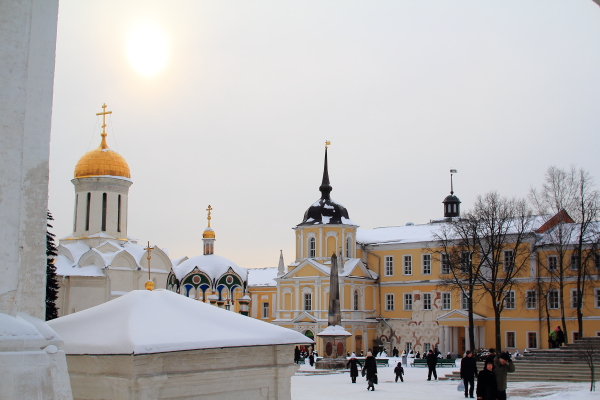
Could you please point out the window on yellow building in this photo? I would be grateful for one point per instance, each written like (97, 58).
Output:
(464, 301)
(465, 261)
(407, 265)
(531, 299)
(532, 340)
(308, 301)
(553, 301)
(552, 263)
(265, 310)
(389, 302)
(510, 340)
(426, 264)
(597, 295)
(426, 301)
(356, 300)
(389, 265)
(445, 261)
(574, 297)
(574, 262)
(349, 246)
(509, 260)
(312, 247)
(509, 300)
(446, 301)
(408, 301)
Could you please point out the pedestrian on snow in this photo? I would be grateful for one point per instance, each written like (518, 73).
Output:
(487, 388)
(395, 352)
(468, 370)
(418, 354)
(560, 336)
(404, 358)
(491, 355)
(431, 363)
(297, 355)
(399, 371)
(353, 368)
(311, 359)
(371, 371)
(502, 366)
(552, 339)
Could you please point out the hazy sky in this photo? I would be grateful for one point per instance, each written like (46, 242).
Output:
(250, 91)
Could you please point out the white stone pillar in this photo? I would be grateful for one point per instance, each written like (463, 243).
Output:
(447, 341)
(441, 346)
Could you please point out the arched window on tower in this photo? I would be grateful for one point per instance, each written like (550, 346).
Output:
(119, 214)
(104, 199)
(349, 246)
(87, 211)
(312, 247)
(356, 300)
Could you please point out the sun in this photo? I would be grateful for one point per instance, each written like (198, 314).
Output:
(147, 50)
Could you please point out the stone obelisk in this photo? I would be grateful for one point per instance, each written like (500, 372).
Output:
(334, 336)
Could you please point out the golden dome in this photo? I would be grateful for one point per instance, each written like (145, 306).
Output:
(208, 233)
(102, 161)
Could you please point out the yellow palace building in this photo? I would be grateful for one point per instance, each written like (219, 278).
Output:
(390, 292)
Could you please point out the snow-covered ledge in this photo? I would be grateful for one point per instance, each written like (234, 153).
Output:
(161, 345)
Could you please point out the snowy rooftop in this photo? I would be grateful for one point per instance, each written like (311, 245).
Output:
(213, 265)
(147, 322)
(262, 276)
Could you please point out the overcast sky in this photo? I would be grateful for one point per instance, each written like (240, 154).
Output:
(250, 91)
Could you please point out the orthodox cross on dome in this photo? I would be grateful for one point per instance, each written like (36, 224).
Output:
(209, 209)
(103, 134)
(149, 284)
(327, 143)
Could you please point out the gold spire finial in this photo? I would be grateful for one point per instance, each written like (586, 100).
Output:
(103, 134)
(149, 284)
(327, 143)
(209, 209)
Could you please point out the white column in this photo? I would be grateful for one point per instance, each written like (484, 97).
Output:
(455, 340)
(320, 241)
(447, 341)
(297, 292)
(441, 346)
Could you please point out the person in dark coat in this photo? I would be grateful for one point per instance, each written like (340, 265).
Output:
(468, 370)
(297, 355)
(560, 337)
(431, 363)
(418, 355)
(371, 371)
(311, 359)
(395, 352)
(491, 355)
(399, 371)
(486, 382)
(353, 368)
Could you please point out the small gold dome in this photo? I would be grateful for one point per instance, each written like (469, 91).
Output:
(102, 161)
(208, 233)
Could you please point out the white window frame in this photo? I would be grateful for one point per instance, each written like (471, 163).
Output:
(407, 264)
(555, 258)
(265, 307)
(426, 347)
(356, 300)
(389, 302)
(514, 335)
(449, 296)
(312, 247)
(464, 267)
(408, 347)
(464, 301)
(528, 306)
(408, 301)
(537, 341)
(556, 296)
(573, 298)
(572, 262)
(427, 303)
(510, 301)
(349, 246)
(444, 263)
(508, 261)
(426, 264)
(307, 301)
(388, 265)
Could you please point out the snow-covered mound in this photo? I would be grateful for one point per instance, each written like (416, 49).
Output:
(159, 321)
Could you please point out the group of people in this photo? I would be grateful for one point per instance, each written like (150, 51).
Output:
(556, 338)
(369, 369)
(300, 354)
(491, 381)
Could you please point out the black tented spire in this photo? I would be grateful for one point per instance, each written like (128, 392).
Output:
(325, 187)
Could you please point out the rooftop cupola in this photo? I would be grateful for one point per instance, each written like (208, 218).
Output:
(451, 202)
(208, 236)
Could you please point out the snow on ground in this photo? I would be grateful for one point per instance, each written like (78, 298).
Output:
(338, 386)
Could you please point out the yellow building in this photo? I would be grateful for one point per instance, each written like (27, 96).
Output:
(390, 292)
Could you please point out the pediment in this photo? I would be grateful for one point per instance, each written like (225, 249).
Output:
(358, 269)
(459, 315)
(307, 268)
(304, 317)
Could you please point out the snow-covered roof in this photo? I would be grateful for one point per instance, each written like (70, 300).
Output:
(147, 322)
(568, 234)
(262, 276)
(334, 330)
(64, 267)
(398, 234)
(214, 266)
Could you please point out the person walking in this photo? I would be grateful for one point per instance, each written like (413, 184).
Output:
(487, 387)
(468, 370)
(560, 336)
(552, 339)
(352, 365)
(297, 355)
(431, 363)
(399, 371)
(395, 352)
(370, 368)
(502, 366)
(311, 359)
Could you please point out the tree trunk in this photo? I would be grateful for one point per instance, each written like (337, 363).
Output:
(498, 333)
(471, 323)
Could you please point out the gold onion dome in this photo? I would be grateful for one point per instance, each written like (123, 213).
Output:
(208, 233)
(102, 161)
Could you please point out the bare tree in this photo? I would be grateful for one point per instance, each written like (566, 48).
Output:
(590, 352)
